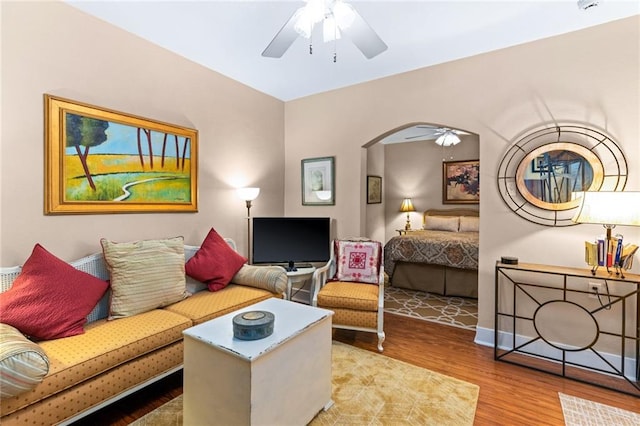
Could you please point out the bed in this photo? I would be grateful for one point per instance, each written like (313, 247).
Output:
(441, 258)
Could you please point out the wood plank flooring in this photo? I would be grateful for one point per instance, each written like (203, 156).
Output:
(509, 394)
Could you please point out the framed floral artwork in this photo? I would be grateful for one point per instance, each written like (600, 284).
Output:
(461, 182)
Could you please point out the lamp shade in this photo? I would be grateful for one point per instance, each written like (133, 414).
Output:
(609, 208)
(248, 194)
(407, 206)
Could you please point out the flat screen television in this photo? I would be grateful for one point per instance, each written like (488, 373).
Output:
(292, 241)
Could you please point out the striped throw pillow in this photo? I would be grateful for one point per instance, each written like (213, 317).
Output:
(145, 275)
(271, 278)
(23, 364)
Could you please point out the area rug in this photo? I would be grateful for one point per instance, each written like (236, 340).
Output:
(455, 311)
(582, 412)
(373, 389)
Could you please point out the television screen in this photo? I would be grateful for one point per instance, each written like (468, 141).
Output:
(291, 240)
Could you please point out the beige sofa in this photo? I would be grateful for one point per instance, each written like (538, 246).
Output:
(114, 358)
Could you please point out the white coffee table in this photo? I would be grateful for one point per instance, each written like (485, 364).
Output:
(282, 379)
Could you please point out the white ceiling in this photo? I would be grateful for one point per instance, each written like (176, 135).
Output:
(229, 36)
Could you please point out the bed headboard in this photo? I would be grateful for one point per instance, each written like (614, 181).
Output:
(450, 212)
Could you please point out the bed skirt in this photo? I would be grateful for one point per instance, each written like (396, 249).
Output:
(437, 279)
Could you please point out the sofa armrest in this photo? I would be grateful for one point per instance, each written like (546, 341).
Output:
(271, 278)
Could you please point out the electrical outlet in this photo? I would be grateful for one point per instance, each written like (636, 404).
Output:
(594, 290)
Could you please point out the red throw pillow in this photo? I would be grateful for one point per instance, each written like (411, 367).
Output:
(50, 299)
(215, 263)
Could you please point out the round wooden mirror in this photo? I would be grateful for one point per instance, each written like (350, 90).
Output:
(548, 176)
(540, 171)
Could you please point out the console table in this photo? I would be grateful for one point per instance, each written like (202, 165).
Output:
(551, 319)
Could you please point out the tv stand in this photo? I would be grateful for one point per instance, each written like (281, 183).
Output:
(291, 267)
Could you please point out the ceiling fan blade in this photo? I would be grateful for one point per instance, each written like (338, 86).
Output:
(418, 136)
(363, 36)
(284, 39)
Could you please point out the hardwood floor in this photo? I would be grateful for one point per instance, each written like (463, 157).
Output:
(509, 394)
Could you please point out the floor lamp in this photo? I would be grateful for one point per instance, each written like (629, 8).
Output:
(248, 195)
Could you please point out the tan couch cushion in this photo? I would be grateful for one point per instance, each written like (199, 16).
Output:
(206, 305)
(104, 345)
(92, 392)
(341, 294)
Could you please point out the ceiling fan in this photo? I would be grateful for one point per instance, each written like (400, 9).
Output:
(338, 18)
(444, 136)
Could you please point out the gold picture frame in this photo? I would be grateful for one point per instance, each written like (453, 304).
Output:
(461, 182)
(102, 161)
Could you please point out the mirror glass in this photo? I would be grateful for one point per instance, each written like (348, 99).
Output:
(549, 175)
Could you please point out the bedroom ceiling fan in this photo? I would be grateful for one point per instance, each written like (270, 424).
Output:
(338, 18)
(443, 136)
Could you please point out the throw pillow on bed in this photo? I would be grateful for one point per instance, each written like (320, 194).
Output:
(469, 224)
(441, 223)
(215, 263)
(145, 275)
(50, 299)
(358, 261)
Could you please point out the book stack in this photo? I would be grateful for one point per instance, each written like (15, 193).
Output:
(609, 253)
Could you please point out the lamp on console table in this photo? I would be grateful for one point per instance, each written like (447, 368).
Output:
(407, 207)
(248, 195)
(608, 208)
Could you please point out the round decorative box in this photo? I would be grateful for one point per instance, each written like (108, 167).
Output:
(253, 325)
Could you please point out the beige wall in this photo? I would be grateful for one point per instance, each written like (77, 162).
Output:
(589, 76)
(50, 47)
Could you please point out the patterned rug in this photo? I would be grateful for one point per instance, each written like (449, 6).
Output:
(581, 412)
(455, 311)
(373, 389)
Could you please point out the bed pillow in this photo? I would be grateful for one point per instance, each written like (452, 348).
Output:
(441, 223)
(23, 364)
(358, 261)
(469, 224)
(145, 275)
(215, 263)
(50, 299)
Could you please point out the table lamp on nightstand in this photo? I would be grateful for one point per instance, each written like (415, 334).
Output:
(407, 207)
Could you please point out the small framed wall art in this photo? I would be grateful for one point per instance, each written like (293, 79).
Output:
(318, 181)
(104, 161)
(461, 182)
(374, 189)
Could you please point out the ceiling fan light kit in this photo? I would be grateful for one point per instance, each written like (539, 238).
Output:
(448, 138)
(338, 18)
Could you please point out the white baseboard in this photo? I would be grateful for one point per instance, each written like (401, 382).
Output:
(486, 337)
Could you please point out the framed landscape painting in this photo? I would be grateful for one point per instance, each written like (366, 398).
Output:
(461, 182)
(103, 161)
